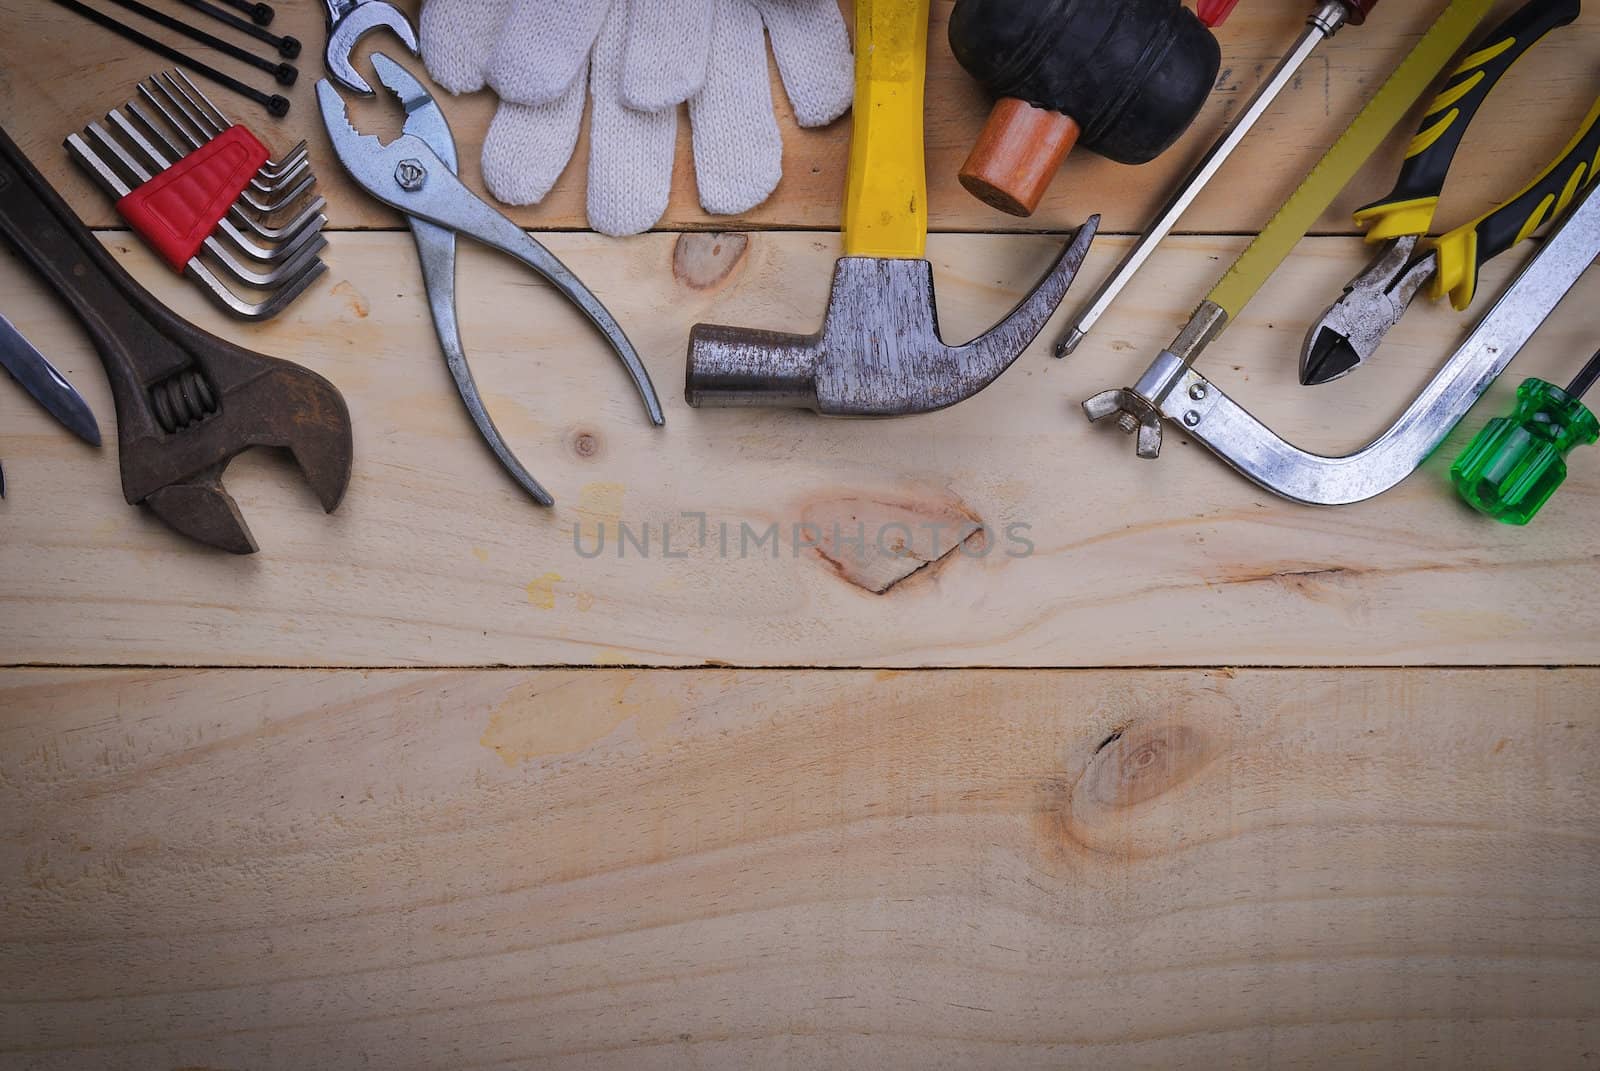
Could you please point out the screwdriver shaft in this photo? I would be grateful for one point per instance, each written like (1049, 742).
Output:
(1586, 378)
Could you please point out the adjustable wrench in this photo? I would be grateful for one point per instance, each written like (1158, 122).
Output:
(187, 401)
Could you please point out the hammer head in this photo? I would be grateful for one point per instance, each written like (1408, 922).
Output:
(879, 352)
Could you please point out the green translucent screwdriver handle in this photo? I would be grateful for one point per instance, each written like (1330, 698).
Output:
(1517, 462)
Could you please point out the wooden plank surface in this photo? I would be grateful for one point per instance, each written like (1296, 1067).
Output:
(57, 72)
(435, 558)
(449, 865)
(718, 868)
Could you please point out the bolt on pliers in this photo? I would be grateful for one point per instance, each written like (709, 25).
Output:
(1354, 327)
(416, 173)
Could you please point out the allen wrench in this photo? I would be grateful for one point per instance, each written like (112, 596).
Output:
(158, 163)
(194, 141)
(199, 134)
(212, 119)
(309, 216)
(219, 293)
(267, 280)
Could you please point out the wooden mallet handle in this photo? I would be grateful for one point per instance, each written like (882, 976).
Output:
(1017, 155)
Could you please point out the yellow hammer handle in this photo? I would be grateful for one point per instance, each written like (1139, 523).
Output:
(886, 201)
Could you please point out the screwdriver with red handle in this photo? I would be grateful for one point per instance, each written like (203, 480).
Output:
(1215, 12)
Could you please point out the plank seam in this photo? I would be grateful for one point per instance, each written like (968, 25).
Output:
(801, 668)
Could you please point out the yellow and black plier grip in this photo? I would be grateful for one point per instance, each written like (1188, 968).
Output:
(1409, 207)
(1465, 250)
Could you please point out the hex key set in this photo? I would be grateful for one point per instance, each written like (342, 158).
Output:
(269, 238)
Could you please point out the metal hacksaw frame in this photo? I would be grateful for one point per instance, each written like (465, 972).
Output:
(1179, 393)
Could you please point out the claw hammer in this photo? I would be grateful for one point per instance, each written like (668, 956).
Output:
(879, 352)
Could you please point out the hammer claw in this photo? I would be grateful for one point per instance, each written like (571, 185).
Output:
(1024, 323)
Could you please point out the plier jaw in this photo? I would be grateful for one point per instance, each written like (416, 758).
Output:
(1353, 328)
(394, 172)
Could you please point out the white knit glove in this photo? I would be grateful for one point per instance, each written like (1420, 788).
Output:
(639, 59)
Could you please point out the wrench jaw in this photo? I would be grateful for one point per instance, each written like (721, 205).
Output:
(342, 37)
(270, 403)
(200, 509)
(317, 433)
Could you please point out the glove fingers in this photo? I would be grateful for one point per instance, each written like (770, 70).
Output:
(668, 46)
(543, 47)
(530, 145)
(457, 39)
(738, 151)
(630, 151)
(812, 45)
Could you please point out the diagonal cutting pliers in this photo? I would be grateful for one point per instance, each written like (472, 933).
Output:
(1354, 327)
(416, 173)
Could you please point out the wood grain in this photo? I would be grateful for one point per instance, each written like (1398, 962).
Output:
(435, 558)
(470, 867)
(57, 71)
(718, 869)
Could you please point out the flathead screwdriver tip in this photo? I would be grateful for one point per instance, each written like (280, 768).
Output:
(1070, 342)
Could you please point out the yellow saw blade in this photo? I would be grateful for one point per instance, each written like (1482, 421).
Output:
(1354, 147)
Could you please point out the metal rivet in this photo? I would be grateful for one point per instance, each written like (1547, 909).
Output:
(410, 174)
(1191, 418)
(1197, 391)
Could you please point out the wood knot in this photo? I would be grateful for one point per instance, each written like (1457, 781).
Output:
(1144, 761)
(702, 261)
(1141, 788)
(876, 543)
